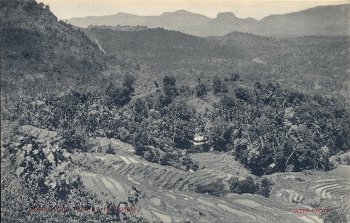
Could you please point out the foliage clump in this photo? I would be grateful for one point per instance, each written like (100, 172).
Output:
(238, 186)
(216, 188)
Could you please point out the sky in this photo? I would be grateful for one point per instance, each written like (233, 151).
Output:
(65, 9)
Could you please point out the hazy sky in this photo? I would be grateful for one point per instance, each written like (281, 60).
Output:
(258, 9)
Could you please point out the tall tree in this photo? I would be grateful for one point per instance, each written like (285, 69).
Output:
(170, 88)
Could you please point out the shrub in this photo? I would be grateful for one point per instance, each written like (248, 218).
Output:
(243, 94)
(74, 140)
(265, 187)
(228, 102)
(118, 96)
(170, 158)
(110, 150)
(218, 85)
(201, 89)
(216, 188)
(244, 186)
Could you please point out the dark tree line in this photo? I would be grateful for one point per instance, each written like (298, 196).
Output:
(268, 128)
(273, 129)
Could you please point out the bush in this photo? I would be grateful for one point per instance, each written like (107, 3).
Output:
(219, 86)
(249, 186)
(201, 89)
(243, 94)
(110, 150)
(244, 186)
(118, 96)
(216, 188)
(170, 158)
(186, 91)
(74, 140)
(265, 187)
(228, 102)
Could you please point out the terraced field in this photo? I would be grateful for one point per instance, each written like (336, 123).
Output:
(329, 190)
(220, 163)
(166, 194)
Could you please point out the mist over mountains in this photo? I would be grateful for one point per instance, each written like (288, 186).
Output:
(322, 20)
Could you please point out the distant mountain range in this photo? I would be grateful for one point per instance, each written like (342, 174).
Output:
(322, 20)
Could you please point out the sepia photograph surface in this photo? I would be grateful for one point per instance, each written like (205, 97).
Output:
(175, 111)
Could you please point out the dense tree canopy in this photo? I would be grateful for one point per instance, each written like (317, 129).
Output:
(268, 128)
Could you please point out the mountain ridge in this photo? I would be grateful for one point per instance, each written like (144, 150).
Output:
(330, 20)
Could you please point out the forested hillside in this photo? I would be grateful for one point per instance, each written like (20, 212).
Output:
(311, 64)
(38, 48)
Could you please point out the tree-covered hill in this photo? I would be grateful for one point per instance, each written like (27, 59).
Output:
(158, 47)
(36, 46)
(313, 64)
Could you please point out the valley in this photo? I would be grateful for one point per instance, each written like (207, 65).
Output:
(174, 118)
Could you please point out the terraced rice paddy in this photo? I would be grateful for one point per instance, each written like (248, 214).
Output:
(166, 196)
(220, 163)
